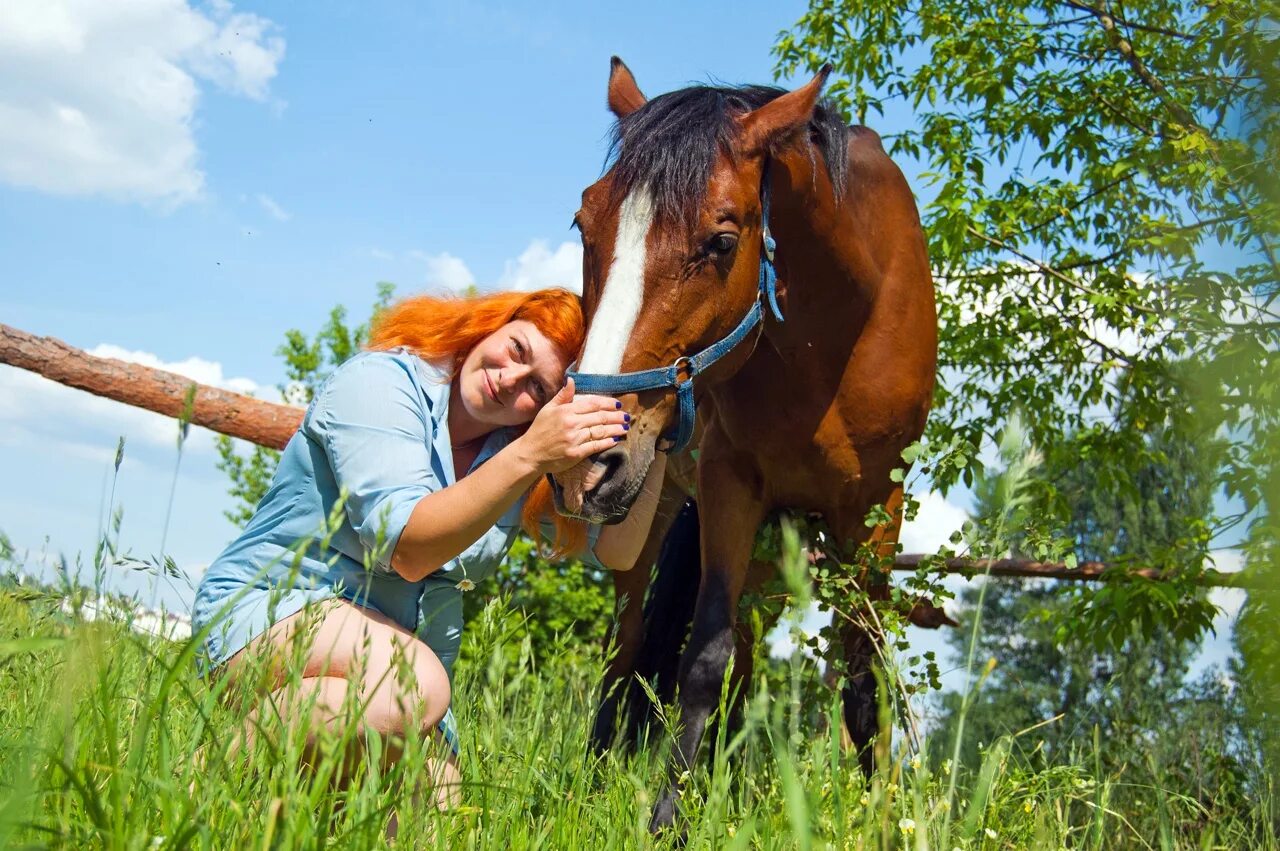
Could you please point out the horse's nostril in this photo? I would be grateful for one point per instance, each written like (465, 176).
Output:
(612, 459)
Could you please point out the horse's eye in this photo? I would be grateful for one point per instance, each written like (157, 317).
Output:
(723, 243)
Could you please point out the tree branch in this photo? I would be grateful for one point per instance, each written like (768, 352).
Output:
(271, 424)
(1091, 571)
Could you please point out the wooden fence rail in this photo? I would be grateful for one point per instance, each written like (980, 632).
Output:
(271, 424)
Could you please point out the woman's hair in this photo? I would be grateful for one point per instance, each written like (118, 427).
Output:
(447, 329)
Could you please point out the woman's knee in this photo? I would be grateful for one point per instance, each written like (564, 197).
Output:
(411, 695)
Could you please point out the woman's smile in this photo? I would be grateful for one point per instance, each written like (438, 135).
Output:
(492, 387)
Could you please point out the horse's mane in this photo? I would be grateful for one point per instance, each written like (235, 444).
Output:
(670, 144)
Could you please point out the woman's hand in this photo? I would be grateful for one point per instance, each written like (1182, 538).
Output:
(570, 428)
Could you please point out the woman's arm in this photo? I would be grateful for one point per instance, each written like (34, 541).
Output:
(619, 545)
(445, 522)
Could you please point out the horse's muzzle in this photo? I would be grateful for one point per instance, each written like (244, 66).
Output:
(608, 488)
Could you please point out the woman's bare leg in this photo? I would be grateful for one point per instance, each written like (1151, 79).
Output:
(402, 689)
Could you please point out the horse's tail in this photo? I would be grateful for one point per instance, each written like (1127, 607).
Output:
(668, 615)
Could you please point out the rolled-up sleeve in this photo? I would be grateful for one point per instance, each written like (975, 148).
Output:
(374, 425)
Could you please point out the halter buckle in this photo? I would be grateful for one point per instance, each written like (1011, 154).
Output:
(683, 362)
(769, 245)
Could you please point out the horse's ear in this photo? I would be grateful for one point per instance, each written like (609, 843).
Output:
(777, 119)
(625, 96)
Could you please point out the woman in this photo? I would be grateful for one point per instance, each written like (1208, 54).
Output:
(403, 488)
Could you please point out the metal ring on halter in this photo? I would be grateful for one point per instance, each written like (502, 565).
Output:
(682, 362)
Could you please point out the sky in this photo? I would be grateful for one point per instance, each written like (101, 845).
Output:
(181, 183)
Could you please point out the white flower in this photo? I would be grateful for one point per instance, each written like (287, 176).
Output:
(907, 826)
(295, 393)
(991, 834)
(465, 584)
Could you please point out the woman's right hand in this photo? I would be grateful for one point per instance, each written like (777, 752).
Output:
(570, 428)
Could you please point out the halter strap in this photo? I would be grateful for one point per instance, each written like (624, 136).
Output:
(668, 377)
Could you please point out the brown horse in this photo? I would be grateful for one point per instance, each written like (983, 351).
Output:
(811, 413)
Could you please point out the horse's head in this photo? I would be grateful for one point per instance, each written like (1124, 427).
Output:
(673, 245)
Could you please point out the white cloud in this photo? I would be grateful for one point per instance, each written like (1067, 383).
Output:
(445, 271)
(34, 405)
(99, 96)
(933, 525)
(538, 267)
(1229, 600)
(273, 209)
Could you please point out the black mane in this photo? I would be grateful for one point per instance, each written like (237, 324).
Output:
(670, 144)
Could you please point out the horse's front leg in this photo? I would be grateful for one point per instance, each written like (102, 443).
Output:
(731, 511)
(625, 643)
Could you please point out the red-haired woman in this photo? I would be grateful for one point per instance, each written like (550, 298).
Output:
(403, 488)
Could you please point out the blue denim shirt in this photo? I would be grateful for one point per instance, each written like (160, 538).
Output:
(373, 442)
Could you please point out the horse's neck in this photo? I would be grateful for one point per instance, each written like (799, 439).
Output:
(817, 265)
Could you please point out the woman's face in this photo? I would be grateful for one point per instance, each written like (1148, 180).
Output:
(510, 375)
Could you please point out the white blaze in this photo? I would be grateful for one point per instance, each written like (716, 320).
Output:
(623, 289)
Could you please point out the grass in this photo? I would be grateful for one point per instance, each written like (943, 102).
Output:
(109, 739)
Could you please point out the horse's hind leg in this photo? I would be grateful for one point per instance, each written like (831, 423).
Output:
(858, 695)
(729, 522)
(863, 642)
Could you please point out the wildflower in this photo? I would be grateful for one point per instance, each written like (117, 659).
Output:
(865, 799)
(891, 789)
(915, 762)
(946, 766)
(1028, 806)
(465, 584)
(991, 834)
(907, 826)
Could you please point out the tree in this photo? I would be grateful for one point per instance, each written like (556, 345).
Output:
(1118, 704)
(1102, 212)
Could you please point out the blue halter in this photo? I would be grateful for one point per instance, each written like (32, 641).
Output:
(666, 377)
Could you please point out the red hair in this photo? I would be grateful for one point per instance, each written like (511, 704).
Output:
(440, 328)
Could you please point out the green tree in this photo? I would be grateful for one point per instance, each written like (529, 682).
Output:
(1118, 703)
(1101, 207)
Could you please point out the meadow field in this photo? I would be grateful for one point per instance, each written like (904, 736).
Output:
(109, 739)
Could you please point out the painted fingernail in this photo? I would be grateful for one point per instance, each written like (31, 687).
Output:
(617, 406)
(626, 418)
(617, 438)
(626, 426)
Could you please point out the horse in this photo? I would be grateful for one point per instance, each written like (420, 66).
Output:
(756, 285)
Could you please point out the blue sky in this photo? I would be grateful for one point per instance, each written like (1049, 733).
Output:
(181, 183)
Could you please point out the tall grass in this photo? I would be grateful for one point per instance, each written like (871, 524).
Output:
(109, 739)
